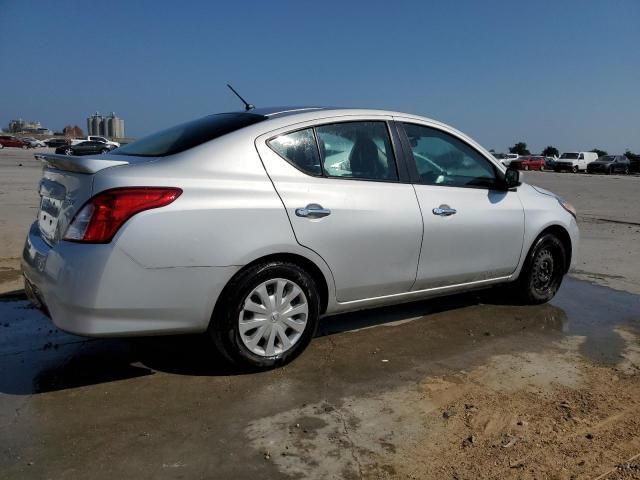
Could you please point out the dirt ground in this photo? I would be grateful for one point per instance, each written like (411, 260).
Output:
(462, 387)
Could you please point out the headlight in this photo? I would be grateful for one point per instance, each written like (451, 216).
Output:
(568, 207)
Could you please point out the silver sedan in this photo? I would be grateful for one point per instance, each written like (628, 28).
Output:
(250, 226)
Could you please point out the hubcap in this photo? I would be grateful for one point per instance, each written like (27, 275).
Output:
(273, 317)
(543, 271)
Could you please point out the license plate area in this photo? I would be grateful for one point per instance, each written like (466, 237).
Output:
(48, 216)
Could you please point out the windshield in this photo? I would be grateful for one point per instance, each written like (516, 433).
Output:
(607, 158)
(569, 155)
(188, 135)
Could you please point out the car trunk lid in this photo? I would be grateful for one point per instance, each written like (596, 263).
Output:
(66, 184)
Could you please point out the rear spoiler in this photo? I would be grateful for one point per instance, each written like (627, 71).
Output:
(87, 164)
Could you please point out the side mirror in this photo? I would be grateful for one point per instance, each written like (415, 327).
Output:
(512, 178)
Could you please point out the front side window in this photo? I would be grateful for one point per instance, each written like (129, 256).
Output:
(360, 150)
(300, 149)
(442, 159)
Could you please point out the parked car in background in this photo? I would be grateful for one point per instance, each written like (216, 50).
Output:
(12, 141)
(549, 163)
(575, 161)
(56, 142)
(95, 138)
(33, 142)
(160, 236)
(610, 164)
(529, 162)
(85, 148)
(508, 158)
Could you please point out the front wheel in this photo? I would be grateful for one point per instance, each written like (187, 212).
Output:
(575, 169)
(68, 151)
(543, 270)
(104, 150)
(526, 167)
(267, 315)
(542, 168)
(626, 170)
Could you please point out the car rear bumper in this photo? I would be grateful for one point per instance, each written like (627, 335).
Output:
(99, 290)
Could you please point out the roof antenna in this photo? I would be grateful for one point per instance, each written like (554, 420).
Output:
(247, 105)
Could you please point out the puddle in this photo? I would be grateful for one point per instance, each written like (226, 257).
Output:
(36, 357)
(594, 312)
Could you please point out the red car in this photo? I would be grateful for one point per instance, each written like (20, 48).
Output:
(11, 141)
(529, 162)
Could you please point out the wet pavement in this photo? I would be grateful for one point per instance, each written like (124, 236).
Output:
(166, 407)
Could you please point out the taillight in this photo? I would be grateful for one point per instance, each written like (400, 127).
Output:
(102, 216)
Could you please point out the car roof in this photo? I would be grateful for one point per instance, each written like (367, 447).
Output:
(321, 111)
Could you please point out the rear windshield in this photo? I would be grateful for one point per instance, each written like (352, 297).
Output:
(188, 135)
(569, 155)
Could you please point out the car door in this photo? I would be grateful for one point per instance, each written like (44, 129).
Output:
(473, 229)
(346, 201)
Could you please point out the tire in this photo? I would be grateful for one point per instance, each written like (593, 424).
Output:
(575, 169)
(104, 150)
(542, 168)
(1, 146)
(232, 340)
(24, 147)
(626, 170)
(610, 171)
(526, 167)
(68, 151)
(542, 272)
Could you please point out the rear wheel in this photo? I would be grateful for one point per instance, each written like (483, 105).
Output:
(542, 168)
(575, 169)
(543, 271)
(626, 170)
(104, 150)
(68, 151)
(526, 167)
(267, 316)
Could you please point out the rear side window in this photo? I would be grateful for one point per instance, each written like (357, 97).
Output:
(359, 150)
(356, 150)
(300, 149)
(188, 135)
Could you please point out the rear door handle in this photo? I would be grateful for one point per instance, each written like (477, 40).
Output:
(444, 211)
(313, 210)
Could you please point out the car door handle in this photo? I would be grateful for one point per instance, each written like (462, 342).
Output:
(444, 211)
(313, 210)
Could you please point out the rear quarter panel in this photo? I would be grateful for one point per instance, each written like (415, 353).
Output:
(229, 213)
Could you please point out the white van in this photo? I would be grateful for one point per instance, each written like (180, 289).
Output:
(575, 161)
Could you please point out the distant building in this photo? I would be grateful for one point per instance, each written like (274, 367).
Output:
(22, 126)
(110, 126)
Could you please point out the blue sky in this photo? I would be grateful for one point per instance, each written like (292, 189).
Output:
(565, 73)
